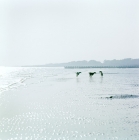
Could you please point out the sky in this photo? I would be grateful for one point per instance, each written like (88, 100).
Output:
(36, 32)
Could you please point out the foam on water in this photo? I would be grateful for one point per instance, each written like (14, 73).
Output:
(54, 104)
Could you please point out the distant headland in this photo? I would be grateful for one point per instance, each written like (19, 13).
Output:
(123, 63)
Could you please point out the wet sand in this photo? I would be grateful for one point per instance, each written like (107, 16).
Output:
(67, 108)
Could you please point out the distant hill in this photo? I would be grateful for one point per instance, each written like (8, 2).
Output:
(123, 62)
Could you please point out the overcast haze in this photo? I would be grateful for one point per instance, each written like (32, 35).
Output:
(54, 31)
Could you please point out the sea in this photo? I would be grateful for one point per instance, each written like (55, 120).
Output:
(51, 103)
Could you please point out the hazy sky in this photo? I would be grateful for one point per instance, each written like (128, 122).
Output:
(51, 31)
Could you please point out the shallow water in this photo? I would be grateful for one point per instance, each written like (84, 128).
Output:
(54, 104)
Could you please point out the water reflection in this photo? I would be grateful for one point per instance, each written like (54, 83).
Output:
(101, 80)
(77, 80)
(91, 79)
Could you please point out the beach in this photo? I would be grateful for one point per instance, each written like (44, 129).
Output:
(54, 104)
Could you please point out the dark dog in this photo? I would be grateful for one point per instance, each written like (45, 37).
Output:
(101, 73)
(92, 73)
(77, 73)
